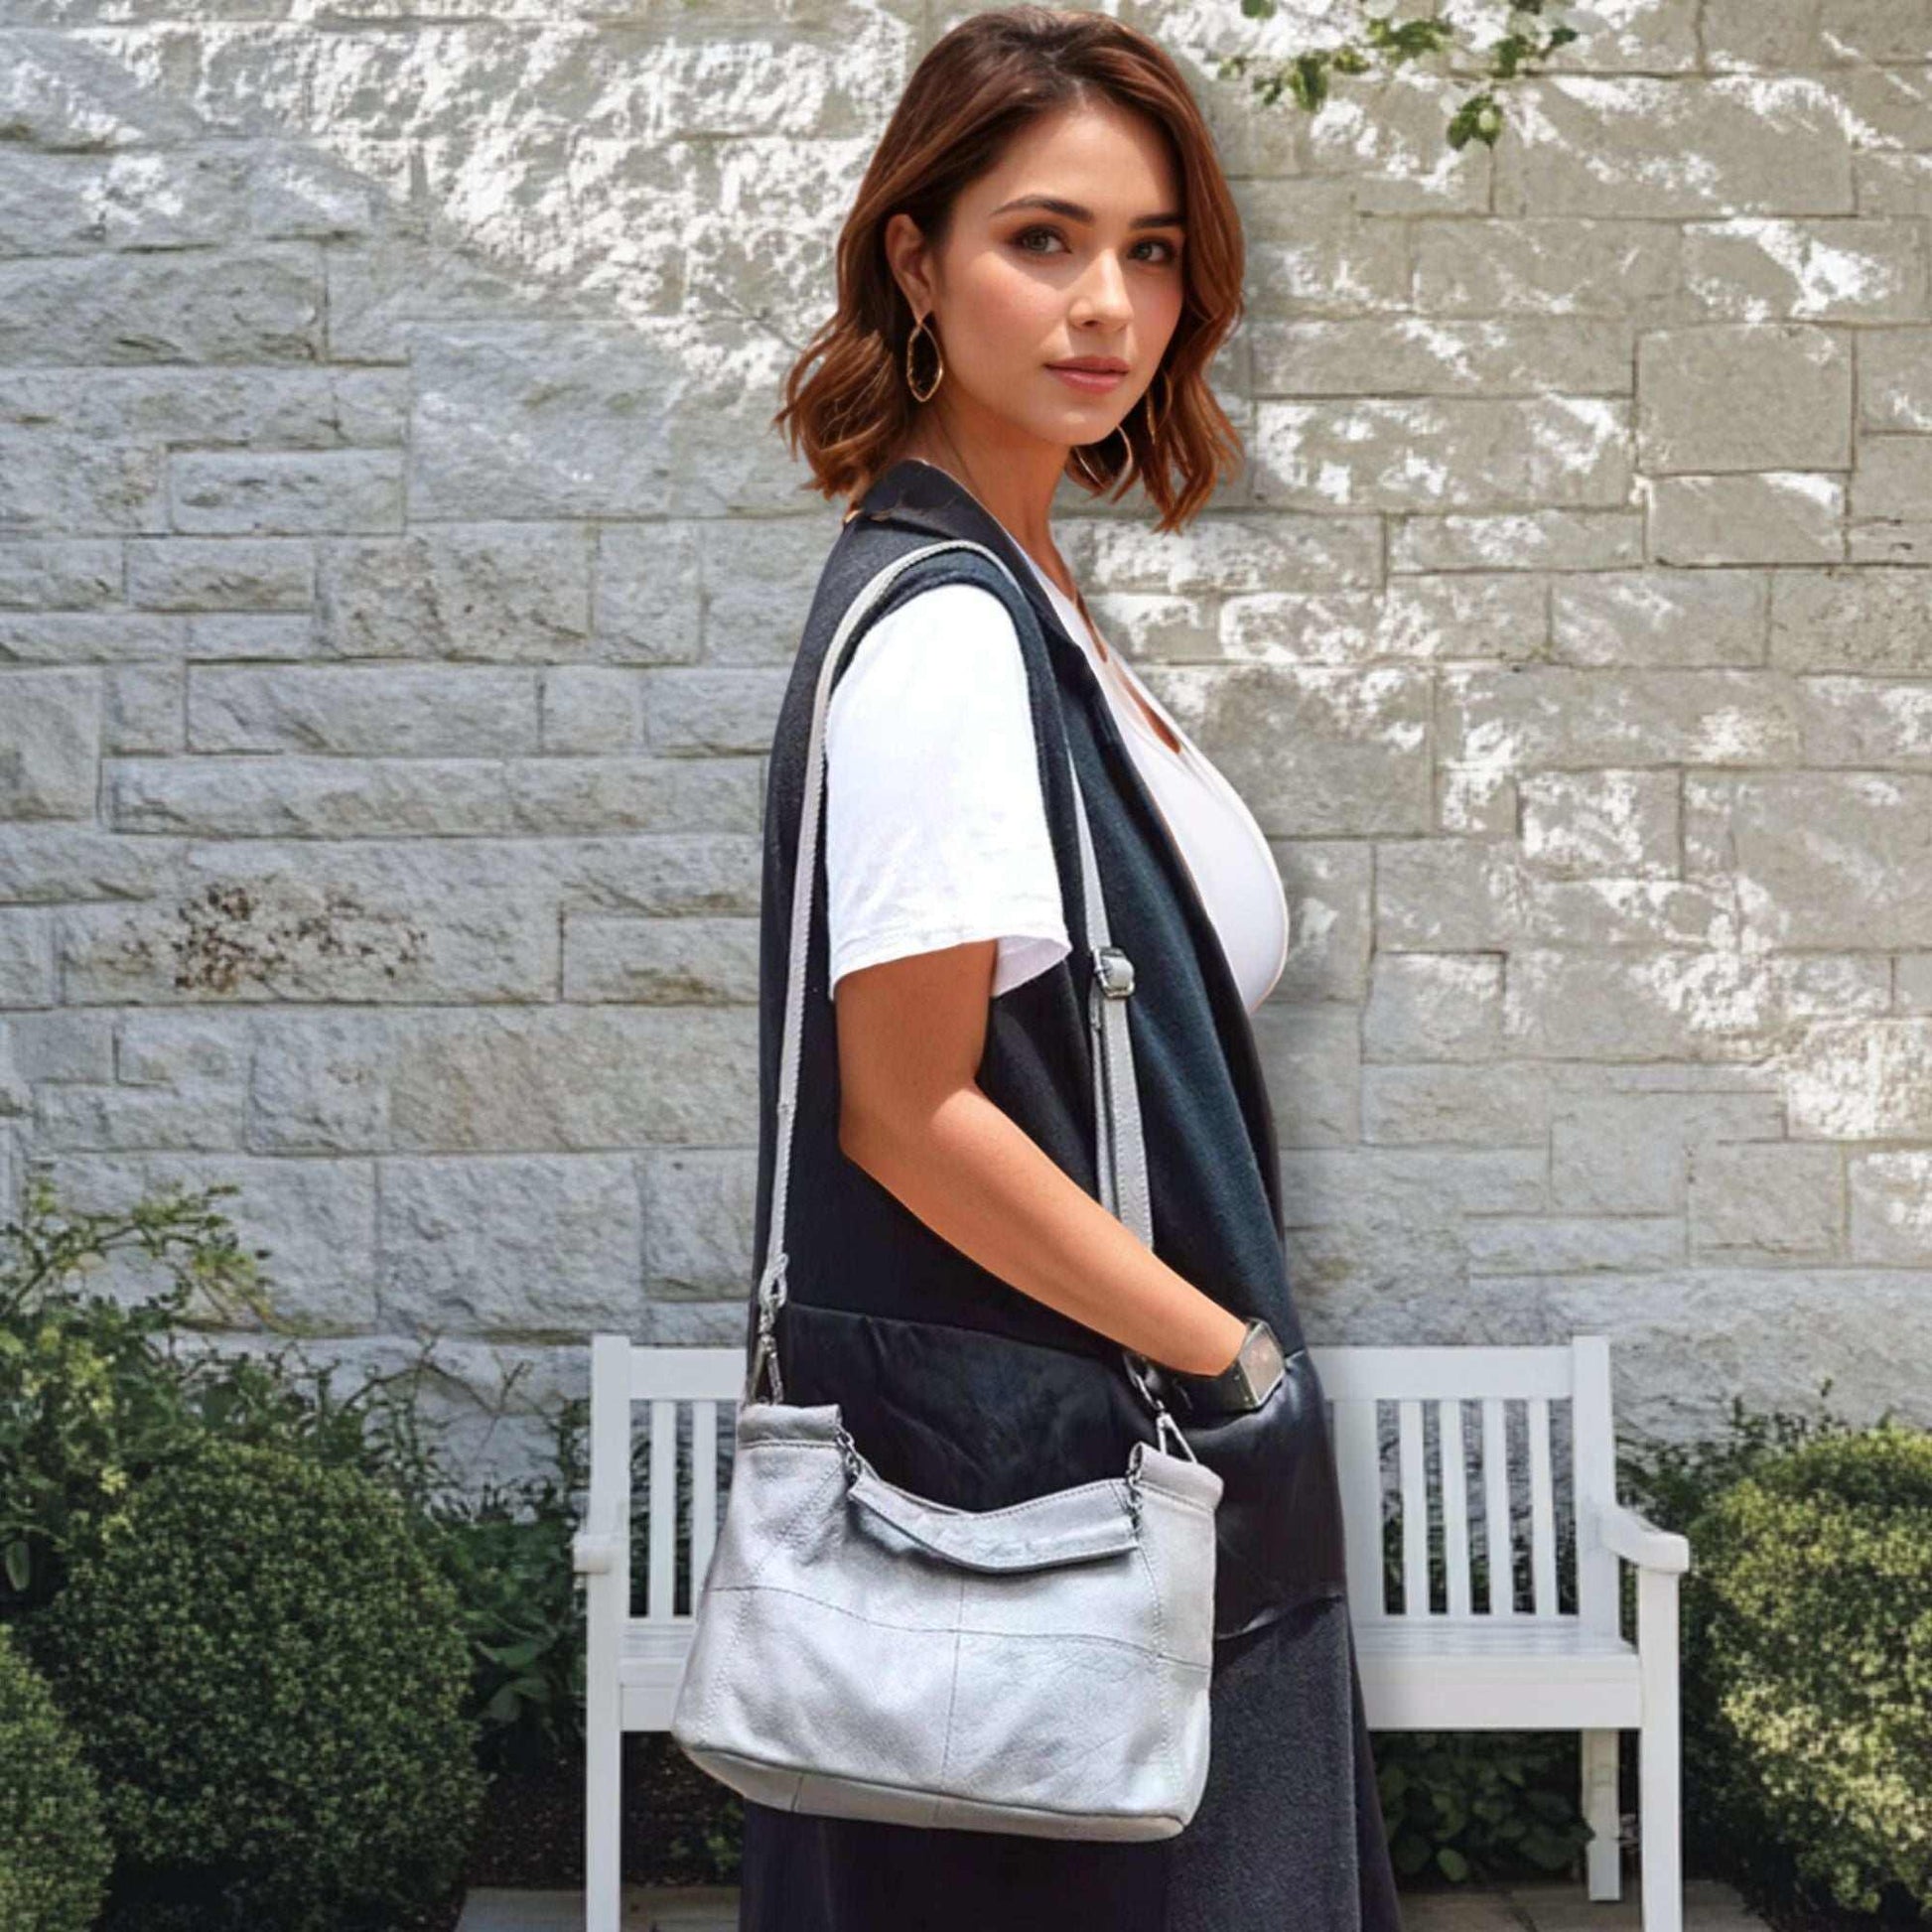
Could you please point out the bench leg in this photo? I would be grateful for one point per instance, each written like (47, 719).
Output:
(1659, 1764)
(603, 1806)
(603, 1813)
(1602, 1863)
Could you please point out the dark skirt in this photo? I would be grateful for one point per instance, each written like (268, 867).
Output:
(1289, 1835)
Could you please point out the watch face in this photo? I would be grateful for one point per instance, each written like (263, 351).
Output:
(1262, 1363)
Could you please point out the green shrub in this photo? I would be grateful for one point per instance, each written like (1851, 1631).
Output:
(269, 1675)
(102, 1391)
(98, 1391)
(1808, 1665)
(1672, 1481)
(91, 1393)
(508, 1556)
(54, 1851)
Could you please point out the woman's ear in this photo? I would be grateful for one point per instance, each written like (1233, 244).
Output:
(909, 259)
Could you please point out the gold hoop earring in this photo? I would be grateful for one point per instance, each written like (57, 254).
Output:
(1085, 457)
(939, 375)
(1166, 402)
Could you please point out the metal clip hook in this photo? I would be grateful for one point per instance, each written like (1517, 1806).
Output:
(764, 1355)
(1182, 1447)
(1163, 1422)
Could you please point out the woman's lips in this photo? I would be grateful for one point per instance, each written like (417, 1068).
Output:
(1094, 381)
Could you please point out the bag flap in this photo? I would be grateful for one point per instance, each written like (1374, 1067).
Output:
(1067, 1526)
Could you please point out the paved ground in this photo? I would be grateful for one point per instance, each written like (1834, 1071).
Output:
(1708, 1907)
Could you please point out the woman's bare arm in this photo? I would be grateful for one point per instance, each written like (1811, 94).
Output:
(911, 1034)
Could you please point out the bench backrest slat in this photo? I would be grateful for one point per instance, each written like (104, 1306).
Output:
(1543, 1523)
(1456, 1502)
(1495, 1508)
(661, 1583)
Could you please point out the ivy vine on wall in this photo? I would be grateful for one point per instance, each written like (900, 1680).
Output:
(1530, 38)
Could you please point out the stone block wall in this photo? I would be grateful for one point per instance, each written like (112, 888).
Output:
(398, 576)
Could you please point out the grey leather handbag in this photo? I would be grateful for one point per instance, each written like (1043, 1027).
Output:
(861, 1651)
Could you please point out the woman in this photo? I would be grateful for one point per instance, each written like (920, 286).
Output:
(1046, 200)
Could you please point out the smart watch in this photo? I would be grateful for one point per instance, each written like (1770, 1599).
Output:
(1245, 1384)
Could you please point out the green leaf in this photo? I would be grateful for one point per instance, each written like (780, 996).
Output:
(1552, 1850)
(514, 1656)
(1409, 1853)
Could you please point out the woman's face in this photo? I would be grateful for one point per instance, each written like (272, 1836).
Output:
(1071, 247)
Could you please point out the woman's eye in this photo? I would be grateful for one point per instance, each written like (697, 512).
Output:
(1169, 255)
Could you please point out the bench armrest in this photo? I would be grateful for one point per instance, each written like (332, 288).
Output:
(600, 1545)
(594, 1553)
(1622, 1529)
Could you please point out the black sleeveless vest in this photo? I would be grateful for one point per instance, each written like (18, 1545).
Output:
(953, 1382)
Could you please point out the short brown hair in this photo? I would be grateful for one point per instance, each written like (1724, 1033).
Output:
(977, 86)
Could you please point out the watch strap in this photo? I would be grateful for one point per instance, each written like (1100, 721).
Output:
(1231, 1390)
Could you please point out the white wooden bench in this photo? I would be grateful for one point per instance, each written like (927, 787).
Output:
(1501, 1665)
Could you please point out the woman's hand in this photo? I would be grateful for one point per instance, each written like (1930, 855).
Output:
(1235, 1333)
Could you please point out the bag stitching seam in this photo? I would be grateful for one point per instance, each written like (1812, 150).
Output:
(791, 1532)
(1161, 1649)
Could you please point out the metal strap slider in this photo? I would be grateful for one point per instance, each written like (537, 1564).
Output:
(1114, 970)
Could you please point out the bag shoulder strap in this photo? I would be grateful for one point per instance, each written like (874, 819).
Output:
(1120, 1148)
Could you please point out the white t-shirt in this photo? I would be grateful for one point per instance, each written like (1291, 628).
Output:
(936, 827)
